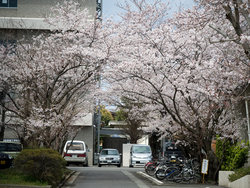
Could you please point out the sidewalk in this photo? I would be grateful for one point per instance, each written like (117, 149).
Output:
(170, 184)
(153, 182)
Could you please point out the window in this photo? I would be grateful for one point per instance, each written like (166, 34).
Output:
(8, 3)
(75, 146)
(5, 147)
(8, 46)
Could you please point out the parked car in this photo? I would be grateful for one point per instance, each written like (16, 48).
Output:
(140, 154)
(11, 148)
(109, 157)
(172, 151)
(5, 160)
(76, 152)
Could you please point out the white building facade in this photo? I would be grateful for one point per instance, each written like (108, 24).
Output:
(27, 16)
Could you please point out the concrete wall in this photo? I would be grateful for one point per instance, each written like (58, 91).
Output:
(126, 154)
(223, 178)
(243, 182)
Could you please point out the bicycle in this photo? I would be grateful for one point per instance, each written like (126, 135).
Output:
(150, 167)
(168, 171)
(190, 171)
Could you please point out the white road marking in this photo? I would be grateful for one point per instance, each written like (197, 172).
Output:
(137, 181)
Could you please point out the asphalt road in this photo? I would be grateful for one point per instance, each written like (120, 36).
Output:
(124, 177)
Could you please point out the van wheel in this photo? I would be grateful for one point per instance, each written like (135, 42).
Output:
(131, 166)
(99, 165)
(85, 165)
(119, 165)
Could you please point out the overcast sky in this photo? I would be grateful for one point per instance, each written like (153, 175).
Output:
(109, 7)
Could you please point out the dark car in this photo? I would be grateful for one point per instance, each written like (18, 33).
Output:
(172, 151)
(109, 157)
(5, 160)
(11, 148)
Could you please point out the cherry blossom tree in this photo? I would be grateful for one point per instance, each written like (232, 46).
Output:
(187, 82)
(233, 22)
(52, 77)
(130, 113)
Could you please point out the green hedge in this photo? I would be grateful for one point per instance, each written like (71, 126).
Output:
(236, 154)
(41, 164)
(239, 173)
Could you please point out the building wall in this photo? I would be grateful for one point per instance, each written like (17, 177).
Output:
(30, 14)
(39, 8)
(241, 113)
(86, 134)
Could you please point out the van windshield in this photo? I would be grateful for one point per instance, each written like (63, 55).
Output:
(75, 146)
(15, 147)
(141, 149)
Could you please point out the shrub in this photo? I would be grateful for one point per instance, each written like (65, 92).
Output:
(235, 156)
(41, 164)
(239, 173)
(16, 177)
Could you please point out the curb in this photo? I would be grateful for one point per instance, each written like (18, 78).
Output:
(22, 186)
(150, 178)
(66, 179)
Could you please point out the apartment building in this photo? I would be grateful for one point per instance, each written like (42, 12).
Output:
(26, 17)
(31, 13)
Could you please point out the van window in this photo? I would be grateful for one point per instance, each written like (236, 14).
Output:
(141, 149)
(16, 147)
(75, 146)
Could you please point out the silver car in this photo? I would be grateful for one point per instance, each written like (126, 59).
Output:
(109, 157)
(139, 155)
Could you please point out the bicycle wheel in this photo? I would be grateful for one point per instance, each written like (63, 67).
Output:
(171, 175)
(160, 174)
(197, 178)
(150, 169)
(178, 177)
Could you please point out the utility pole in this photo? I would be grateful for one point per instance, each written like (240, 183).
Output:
(247, 115)
(99, 15)
(2, 127)
(98, 127)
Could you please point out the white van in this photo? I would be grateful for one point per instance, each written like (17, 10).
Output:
(140, 154)
(76, 152)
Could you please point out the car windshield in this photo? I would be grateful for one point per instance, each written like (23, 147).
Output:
(75, 146)
(10, 147)
(172, 147)
(141, 149)
(109, 152)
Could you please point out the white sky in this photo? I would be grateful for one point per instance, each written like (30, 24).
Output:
(109, 7)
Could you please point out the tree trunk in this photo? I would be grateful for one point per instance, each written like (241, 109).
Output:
(212, 167)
